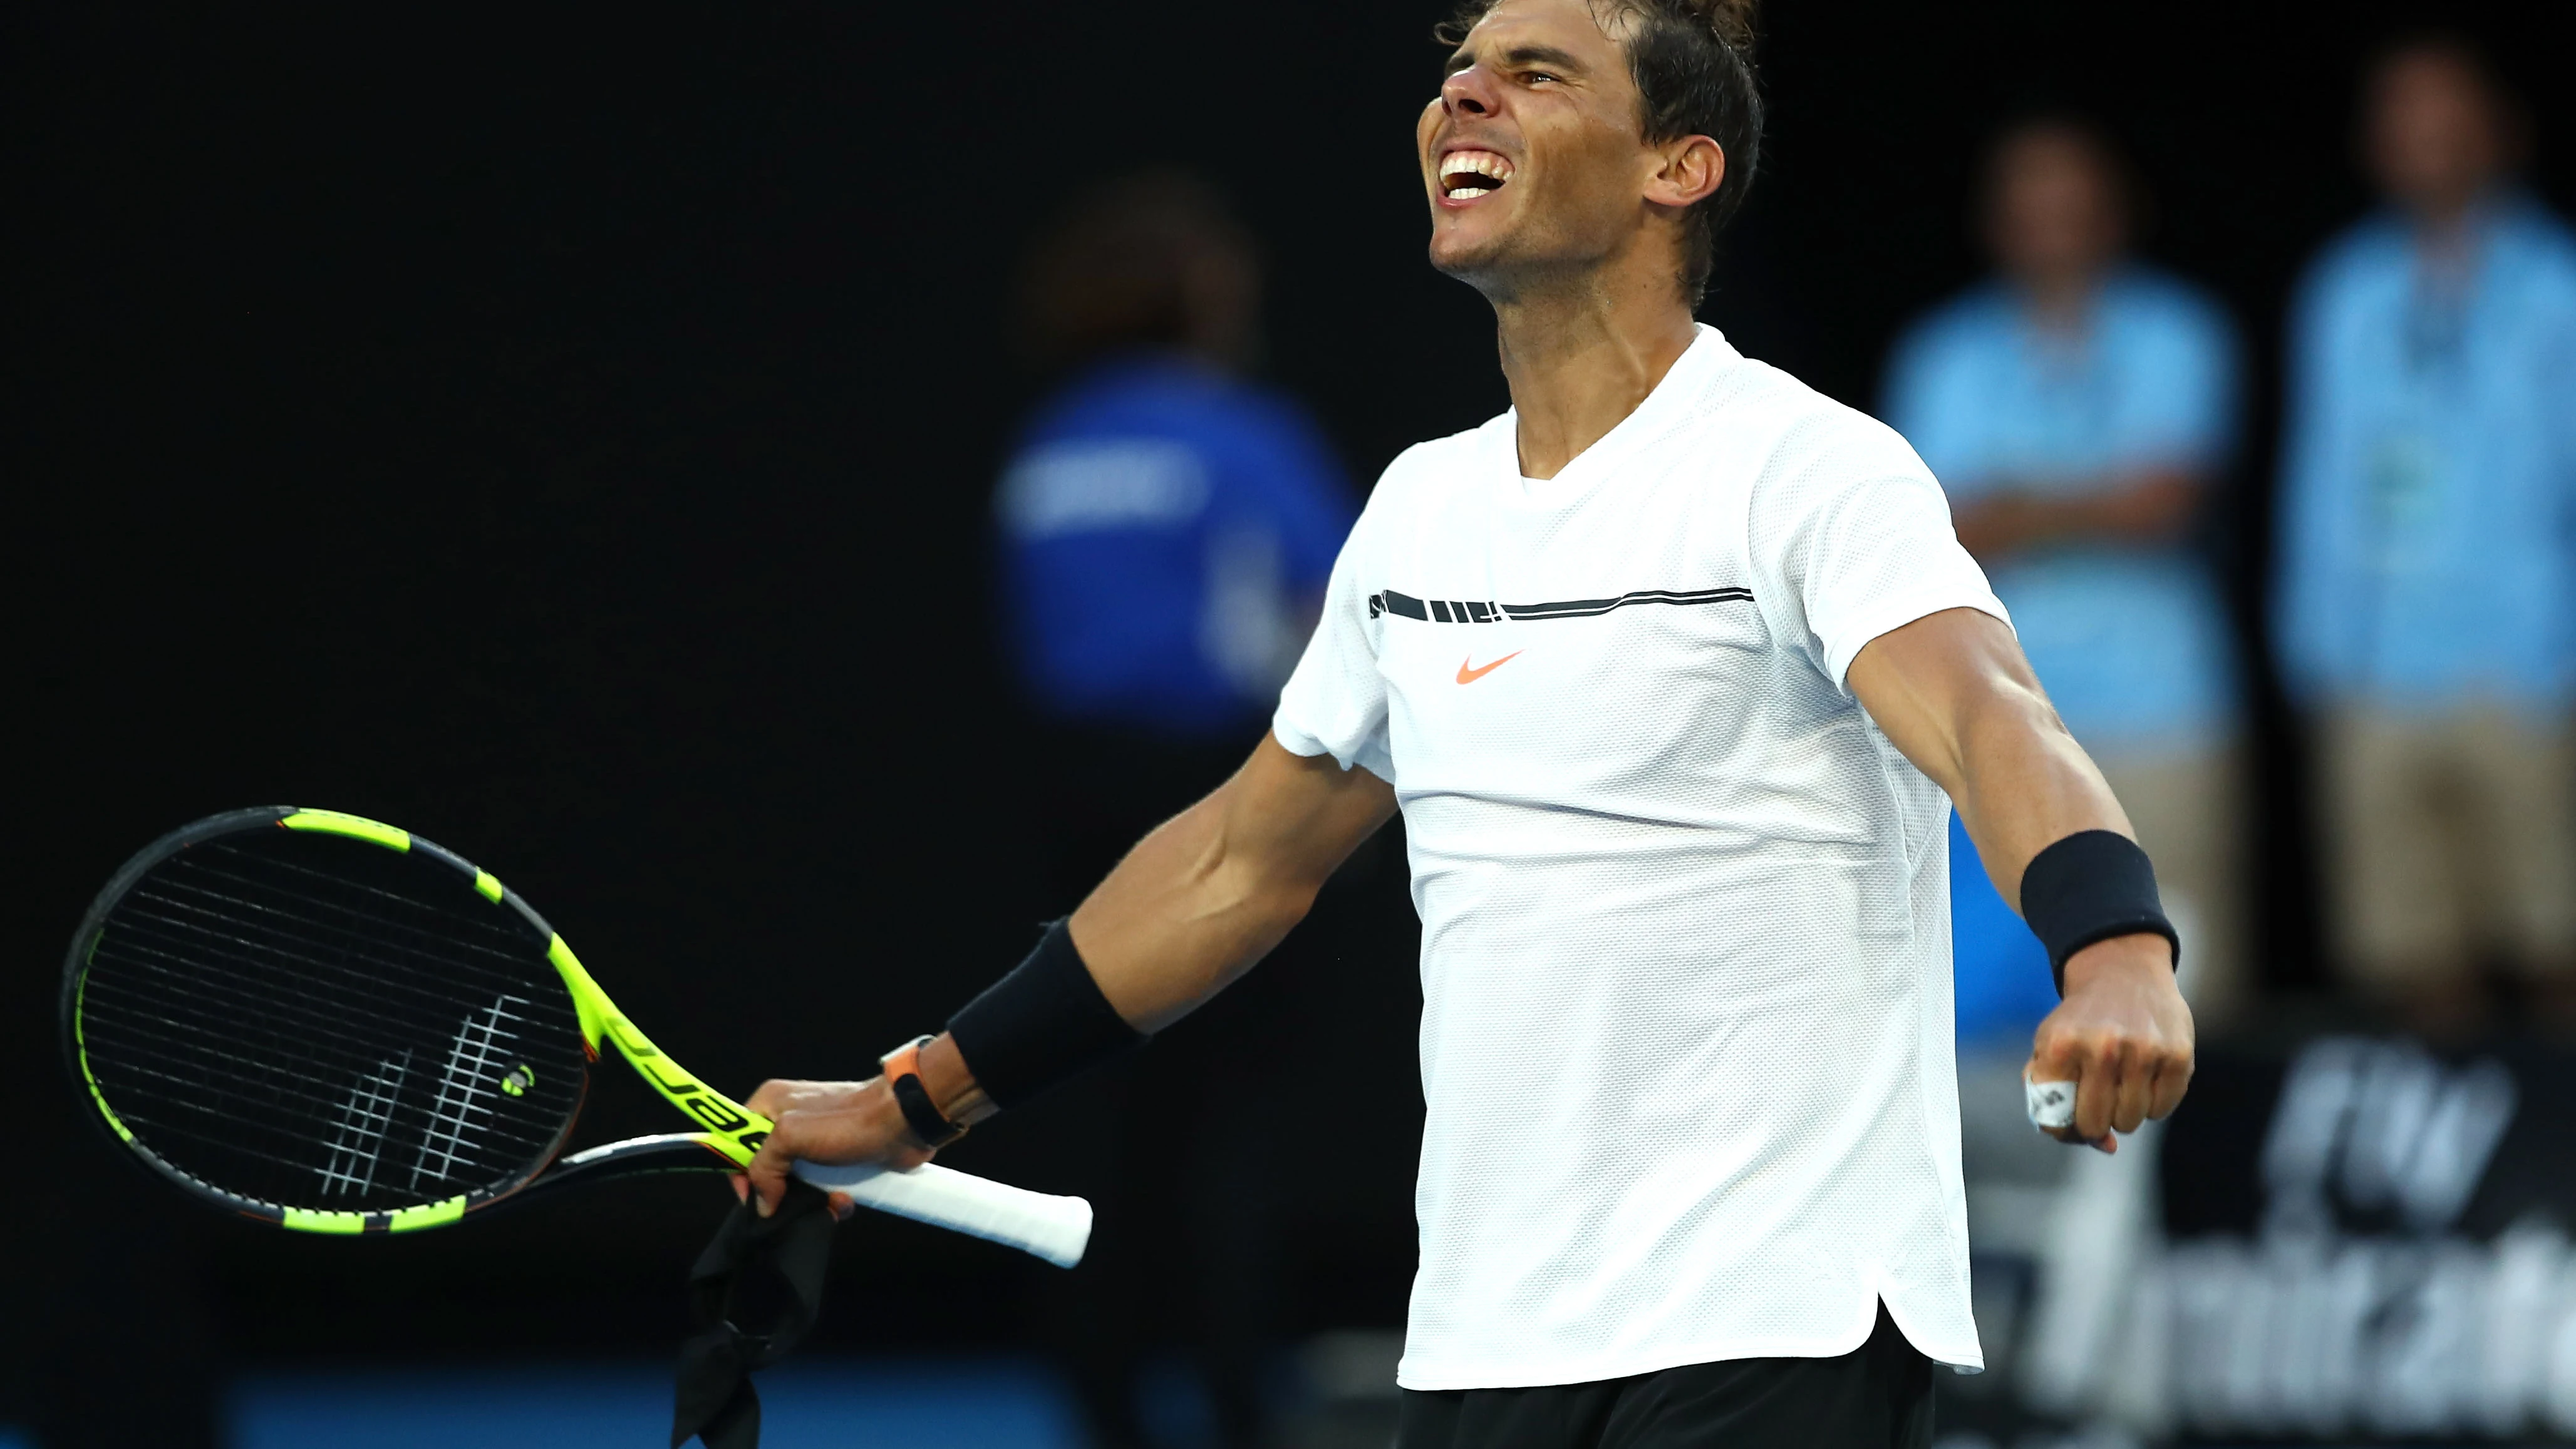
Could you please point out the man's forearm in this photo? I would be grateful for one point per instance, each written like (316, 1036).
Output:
(1183, 915)
(1192, 907)
(2023, 784)
(1954, 693)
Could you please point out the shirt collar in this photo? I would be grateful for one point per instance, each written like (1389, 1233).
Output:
(1671, 401)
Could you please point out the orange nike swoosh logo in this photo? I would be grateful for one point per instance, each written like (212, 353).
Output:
(1470, 676)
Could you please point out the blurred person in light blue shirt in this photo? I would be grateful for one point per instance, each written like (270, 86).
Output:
(2078, 408)
(2425, 609)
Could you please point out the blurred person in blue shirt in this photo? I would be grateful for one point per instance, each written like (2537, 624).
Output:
(2426, 598)
(1166, 526)
(1164, 529)
(2078, 408)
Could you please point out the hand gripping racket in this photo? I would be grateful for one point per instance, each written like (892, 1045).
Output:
(330, 1024)
(2051, 1107)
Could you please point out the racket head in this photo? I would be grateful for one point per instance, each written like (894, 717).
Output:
(323, 1022)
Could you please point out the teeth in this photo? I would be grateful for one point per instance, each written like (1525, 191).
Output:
(1483, 164)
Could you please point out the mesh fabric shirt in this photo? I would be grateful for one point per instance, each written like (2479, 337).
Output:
(1686, 1033)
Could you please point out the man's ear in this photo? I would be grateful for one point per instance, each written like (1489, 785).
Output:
(1691, 170)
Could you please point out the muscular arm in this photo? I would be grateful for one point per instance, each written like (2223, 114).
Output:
(1953, 692)
(1209, 893)
(1192, 907)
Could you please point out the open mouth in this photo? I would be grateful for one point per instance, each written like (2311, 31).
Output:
(1466, 175)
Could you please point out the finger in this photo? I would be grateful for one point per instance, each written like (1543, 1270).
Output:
(769, 1168)
(842, 1206)
(2097, 1089)
(772, 1098)
(2137, 1090)
(2056, 1055)
(741, 1186)
(2172, 1080)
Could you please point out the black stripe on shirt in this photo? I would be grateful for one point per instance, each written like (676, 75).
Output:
(1465, 611)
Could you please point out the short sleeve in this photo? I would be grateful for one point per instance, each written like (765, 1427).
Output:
(1848, 538)
(1335, 702)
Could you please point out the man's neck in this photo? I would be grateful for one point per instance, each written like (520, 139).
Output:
(2060, 300)
(1581, 356)
(2446, 233)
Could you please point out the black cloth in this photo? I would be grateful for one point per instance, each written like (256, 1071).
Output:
(1042, 1024)
(766, 1273)
(2091, 886)
(1878, 1396)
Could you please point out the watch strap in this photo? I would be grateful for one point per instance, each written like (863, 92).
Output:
(903, 1076)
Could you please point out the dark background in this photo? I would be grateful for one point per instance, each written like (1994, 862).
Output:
(569, 436)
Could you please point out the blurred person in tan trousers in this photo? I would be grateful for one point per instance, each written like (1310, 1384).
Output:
(2078, 409)
(2426, 604)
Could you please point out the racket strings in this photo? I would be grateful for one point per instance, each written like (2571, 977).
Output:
(210, 1039)
(221, 1095)
(350, 1028)
(280, 911)
(281, 951)
(198, 1104)
(502, 939)
(220, 1013)
(221, 998)
(177, 954)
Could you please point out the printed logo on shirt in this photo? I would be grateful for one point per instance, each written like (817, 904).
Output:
(1470, 676)
(1479, 611)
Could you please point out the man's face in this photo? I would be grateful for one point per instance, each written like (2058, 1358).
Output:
(2433, 136)
(1533, 155)
(2055, 210)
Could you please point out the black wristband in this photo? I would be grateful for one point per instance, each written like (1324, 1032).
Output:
(2091, 886)
(1040, 1025)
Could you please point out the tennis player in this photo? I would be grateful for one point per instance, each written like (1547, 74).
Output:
(1670, 669)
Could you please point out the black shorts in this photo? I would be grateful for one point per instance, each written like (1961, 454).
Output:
(1878, 1396)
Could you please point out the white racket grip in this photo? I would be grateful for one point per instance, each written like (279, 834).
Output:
(2051, 1104)
(1054, 1228)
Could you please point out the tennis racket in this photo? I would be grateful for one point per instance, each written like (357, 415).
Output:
(330, 1024)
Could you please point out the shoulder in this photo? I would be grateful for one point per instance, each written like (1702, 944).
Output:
(2162, 320)
(2367, 253)
(2543, 242)
(1796, 435)
(1429, 470)
(1976, 318)
(1435, 459)
(2153, 297)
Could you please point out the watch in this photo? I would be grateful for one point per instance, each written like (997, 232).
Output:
(903, 1075)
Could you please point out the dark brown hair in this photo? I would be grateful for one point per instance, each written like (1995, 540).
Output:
(1692, 61)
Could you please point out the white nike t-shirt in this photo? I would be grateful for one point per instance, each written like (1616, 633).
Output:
(1686, 1029)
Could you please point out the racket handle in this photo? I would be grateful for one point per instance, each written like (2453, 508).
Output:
(1054, 1228)
(2051, 1105)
